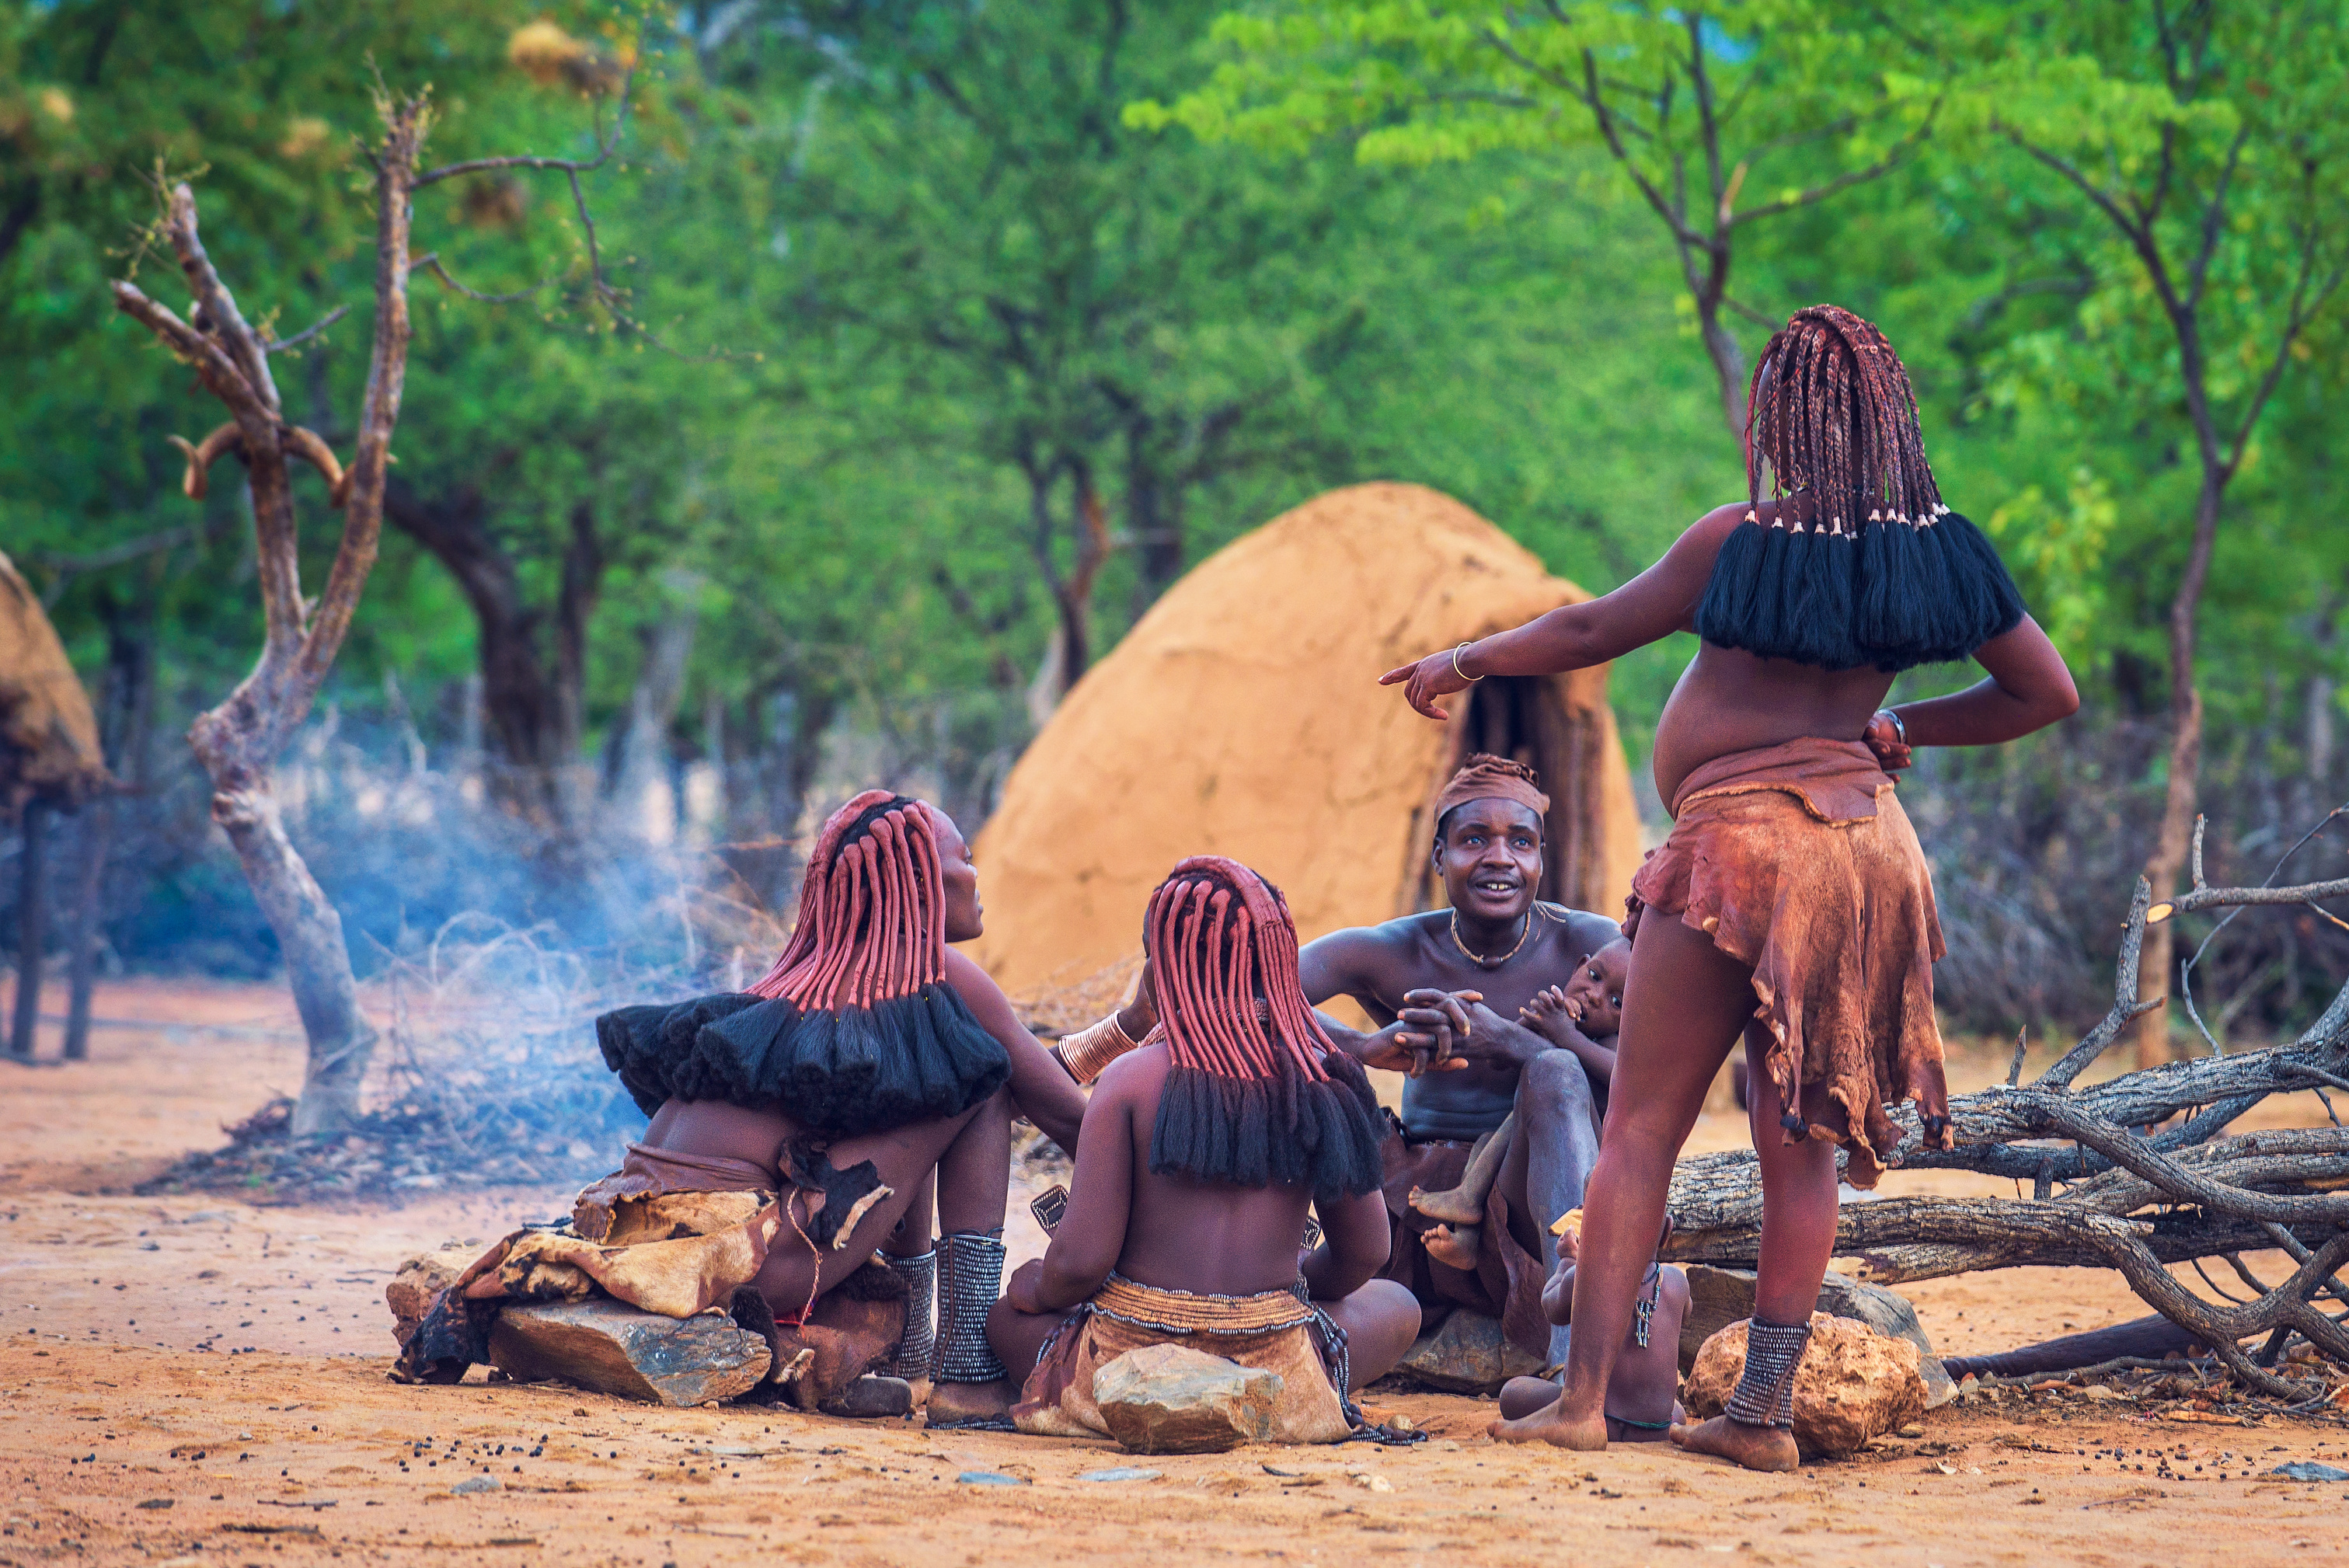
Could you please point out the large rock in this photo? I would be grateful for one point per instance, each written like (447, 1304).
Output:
(614, 1348)
(1466, 1353)
(1719, 1297)
(421, 1278)
(1172, 1399)
(1853, 1384)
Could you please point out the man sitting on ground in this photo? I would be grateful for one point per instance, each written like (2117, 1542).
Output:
(1581, 1017)
(1448, 984)
(1199, 1153)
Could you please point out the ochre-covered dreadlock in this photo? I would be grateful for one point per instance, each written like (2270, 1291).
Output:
(1257, 1094)
(873, 909)
(855, 1029)
(1880, 572)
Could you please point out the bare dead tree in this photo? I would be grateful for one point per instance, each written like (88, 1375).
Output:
(239, 741)
(2132, 1200)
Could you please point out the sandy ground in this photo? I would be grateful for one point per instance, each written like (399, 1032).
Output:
(159, 1357)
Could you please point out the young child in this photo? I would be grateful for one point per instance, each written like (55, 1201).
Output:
(1643, 1392)
(1581, 1018)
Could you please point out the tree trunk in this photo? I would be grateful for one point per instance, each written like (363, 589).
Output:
(641, 788)
(533, 701)
(317, 963)
(97, 838)
(32, 926)
(1728, 365)
(2176, 833)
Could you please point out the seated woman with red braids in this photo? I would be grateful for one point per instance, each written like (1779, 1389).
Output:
(1199, 1153)
(870, 1074)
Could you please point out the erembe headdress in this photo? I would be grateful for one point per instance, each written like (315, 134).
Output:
(1257, 1094)
(1880, 572)
(855, 1028)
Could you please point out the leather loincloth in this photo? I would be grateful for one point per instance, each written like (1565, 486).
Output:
(1799, 859)
(1278, 1331)
(1506, 1283)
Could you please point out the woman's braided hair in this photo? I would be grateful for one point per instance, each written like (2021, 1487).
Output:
(872, 923)
(1255, 1092)
(1830, 411)
(1876, 571)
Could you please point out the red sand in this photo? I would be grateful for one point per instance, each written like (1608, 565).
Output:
(199, 1381)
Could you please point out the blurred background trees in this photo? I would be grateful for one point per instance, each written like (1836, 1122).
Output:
(940, 358)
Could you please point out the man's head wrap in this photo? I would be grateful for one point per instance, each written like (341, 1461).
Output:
(1485, 776)
(1257, 1094)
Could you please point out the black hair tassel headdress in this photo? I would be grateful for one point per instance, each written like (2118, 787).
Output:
(1878, 572)
(1256, 1093)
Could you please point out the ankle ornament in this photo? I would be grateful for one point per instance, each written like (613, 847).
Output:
(970, 1277)
(918, 1344)
(1765, 1389)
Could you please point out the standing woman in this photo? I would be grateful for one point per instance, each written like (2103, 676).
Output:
(1791, 902)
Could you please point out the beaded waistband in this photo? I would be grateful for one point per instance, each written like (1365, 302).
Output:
(1182, 1312)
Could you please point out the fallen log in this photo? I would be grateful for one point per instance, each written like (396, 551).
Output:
(2146, 1338)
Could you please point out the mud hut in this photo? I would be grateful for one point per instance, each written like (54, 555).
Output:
(48, 736)
(1241, 717)
(50, 760)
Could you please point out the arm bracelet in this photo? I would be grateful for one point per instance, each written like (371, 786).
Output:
(1088, 1052)
(1899, 729)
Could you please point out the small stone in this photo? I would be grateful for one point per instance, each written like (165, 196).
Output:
(614, 1348)
(2309, 1469)
(1466, 1353)
(1853, 1384)
(1910, 1430)
(1172, 1399)
(2102, 1394)
(475, 1485)
(157, 1503)
(873, 1395)
(989, 1477)
(1369, 1482)
(1123, 1472)
(1718, 1297)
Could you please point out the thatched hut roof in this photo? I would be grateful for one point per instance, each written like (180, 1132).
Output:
(48, 736)
(1241, 717)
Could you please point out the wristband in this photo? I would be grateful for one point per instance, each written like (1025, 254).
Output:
(1899, 729)
(1456, 670)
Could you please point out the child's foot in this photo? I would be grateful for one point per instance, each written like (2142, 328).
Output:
(1453, 1206)
(1551, 1424)
(1756, 1447)
(1455, 1246)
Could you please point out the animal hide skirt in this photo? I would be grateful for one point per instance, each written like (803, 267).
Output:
(1278, 1331)
(1797, 860)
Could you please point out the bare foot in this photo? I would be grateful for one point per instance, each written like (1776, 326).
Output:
(1455, 1205)
(1454, 1245)
(951, 1404)
(1552, 1425)
(1523, 1395)
(1756, 1447)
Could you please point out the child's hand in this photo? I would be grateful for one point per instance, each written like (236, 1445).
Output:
(1548, 1012)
